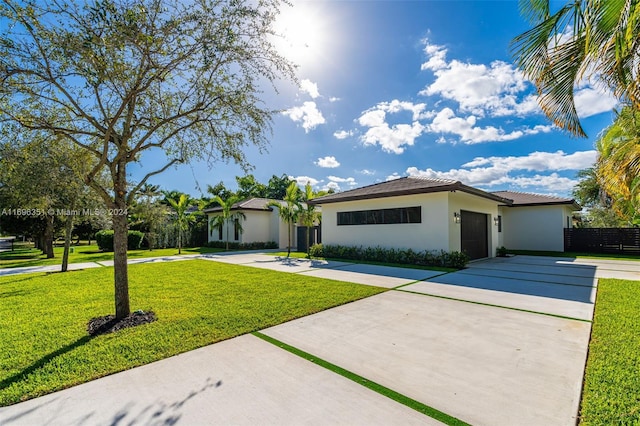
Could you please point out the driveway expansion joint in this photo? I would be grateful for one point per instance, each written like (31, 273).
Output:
(376, 387)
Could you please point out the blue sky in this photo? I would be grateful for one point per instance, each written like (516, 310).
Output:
(419, 88)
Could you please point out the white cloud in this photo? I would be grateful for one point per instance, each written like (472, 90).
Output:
(308, 114)
(539, 161)
(303, 180)
(367, 172)
(591, 101)
(343, 134)
(328, 162)
(446, 122)
(436, 56)
(336, 183)
(477, 88)
(350, 181)
(497, 171)
(334, 99)
(309, 87)
(332, 185)
(394, 176)
(392, 138)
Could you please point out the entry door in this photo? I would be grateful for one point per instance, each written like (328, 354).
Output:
(474, 234)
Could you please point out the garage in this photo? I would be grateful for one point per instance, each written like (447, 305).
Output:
(474, 238)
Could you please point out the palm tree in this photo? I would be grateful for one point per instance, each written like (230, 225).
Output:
(309, 215)
(227, 217)
(583, 39)
(290, 210)
(183, 219)
(618, 165)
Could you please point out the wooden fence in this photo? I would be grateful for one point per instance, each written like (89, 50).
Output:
(602, 240)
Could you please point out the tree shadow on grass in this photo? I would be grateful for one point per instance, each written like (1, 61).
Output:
(21, 279)
(44, 361)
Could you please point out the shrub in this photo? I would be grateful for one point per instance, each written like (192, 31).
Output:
(316, 250)
(454, 259)
(258, 245)
(501, 251)
(104, 240)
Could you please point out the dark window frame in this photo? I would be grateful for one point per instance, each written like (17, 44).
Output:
(394, 216)
(236, 230)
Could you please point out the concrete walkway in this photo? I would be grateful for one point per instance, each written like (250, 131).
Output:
(472, 352)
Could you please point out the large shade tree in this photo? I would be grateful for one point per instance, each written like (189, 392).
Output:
(119, 78)
(582, 39)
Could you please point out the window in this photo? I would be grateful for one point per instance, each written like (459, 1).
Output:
(381, 216)
(499, 223)
(236, 230)
(220, 233)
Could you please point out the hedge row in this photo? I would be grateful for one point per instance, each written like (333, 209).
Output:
(259, 245)
(454, 259)
(104, 239)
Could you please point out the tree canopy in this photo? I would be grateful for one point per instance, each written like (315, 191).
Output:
(119, 78)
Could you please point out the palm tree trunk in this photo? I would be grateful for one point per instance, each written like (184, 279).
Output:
(289, 236)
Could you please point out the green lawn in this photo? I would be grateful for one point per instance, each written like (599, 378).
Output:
(43, 318)
(26, 256)
(611, 392)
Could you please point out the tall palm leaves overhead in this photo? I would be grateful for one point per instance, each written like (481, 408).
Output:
(580, 40)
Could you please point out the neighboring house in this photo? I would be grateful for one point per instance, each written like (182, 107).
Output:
(535, 221)
(262, 223)
(436, 214)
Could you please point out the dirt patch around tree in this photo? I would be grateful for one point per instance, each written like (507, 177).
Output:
(109, 324)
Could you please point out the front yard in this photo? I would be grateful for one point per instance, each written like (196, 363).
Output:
(43, 318)
(24, 255)
(611, 392)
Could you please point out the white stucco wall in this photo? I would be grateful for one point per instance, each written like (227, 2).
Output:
(535, 227)
(256, 228)
(431, 234)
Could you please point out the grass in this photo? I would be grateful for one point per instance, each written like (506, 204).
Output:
(376, 387)
(28, 256)
(303, 255)
(43, 318)
(612, 377)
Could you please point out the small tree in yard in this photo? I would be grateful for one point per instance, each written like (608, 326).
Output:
(290, 210)
(119, 78)
(228, 217)
(182, 217)
(309, 215)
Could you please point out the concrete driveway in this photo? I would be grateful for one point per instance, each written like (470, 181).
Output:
(503, 342)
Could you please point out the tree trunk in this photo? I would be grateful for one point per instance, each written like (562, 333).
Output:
(68, 229)
(308, 244)
(289, 238)
(120, 267)
(120, 234)
(48, 238)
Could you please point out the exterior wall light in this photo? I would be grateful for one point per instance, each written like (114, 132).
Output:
(496, 221)
(456, 217)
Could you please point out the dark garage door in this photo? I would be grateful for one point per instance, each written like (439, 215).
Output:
(473, 231)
